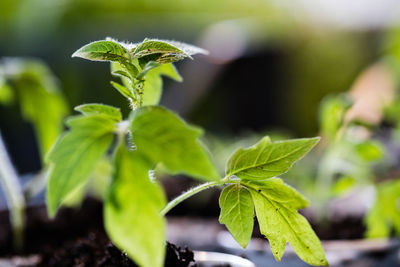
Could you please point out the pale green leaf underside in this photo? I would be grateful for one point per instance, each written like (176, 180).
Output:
(164, 138)
(93, 109)
(102, 51)
(74, 156)
(267, 159)
(132, 209)
(237, 212)
(281, 223)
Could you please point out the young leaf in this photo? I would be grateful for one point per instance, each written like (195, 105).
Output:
(280, 223)
(132, 210)
(121, 73)
(153, 86)
(103, 51)
(119, 70)
(160, 47)
(237, 212)
(74, 156)
(163, 51)
(153, 82)
(165, 138)
(92, 109)
(265, 159)
(123, 91)
(188, 49)
(149, 66)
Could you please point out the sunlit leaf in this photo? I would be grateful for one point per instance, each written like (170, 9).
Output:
(132, 208)
(123, 91)
(281, 223)
(75, 155)
(103, 51)
(267, 159)
(165, 138)
(93, 109)
(237, 212)
(153, 85)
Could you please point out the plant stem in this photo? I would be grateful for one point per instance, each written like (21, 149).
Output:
(14, 196)
(192, 192)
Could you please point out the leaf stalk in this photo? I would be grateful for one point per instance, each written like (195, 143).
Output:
(173, 203)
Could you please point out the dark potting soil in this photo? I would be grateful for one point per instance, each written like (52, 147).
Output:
(76, 237)
(96, 250)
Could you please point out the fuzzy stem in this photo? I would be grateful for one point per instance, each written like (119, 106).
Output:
(14, 196)
(192, 192)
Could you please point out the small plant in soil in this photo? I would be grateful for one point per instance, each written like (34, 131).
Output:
(152, 140)
(31, 84)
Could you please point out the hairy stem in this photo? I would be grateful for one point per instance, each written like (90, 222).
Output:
(192, 192)
(14, 196)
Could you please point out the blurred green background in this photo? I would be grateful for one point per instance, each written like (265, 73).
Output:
(270, 62)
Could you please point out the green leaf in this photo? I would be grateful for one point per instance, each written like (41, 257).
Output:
(281, 223)
(163, 51)
(165, 138)
(40, 99)
(265, 159)
(6, 93)
(370, 150)
(121, 73)
(190, 50)
(120, 70)
(343, 185)
(103, 51)
(93, 109)
(123, 91)
(132, 210)
(154, 46)
(169, 71)
(75, 155)
(153, 85)
(385, 214)
(149, 66)
(237, 212)
(277, 190)
(331, 114)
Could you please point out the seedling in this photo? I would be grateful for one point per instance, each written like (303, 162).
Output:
(30, 83)
(153, 137)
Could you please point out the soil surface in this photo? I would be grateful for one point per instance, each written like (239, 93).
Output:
(76, 238)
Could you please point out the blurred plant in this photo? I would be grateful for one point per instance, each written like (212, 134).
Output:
(358, 149)
(14, 196)
(30, 83)
(153, 136)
